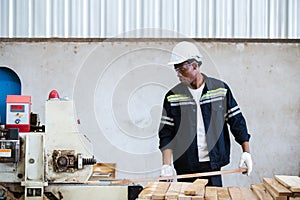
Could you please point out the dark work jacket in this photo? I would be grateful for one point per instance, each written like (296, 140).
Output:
(178, 128)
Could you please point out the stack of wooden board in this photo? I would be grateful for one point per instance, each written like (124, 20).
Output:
(278, 188)
(174, 190)
(192, 191)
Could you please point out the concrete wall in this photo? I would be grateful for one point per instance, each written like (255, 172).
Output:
(118, 89)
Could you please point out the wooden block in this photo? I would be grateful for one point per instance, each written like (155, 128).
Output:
(290, 182)
(148, 190)
(160, 191)
(181, 196)
(211, 193)
(158, 196)
(235, 193)
(103, 171)
(197, 188)
(277, 188)
(248, 194)
(146, 196)
(223, 193)
(261, 192)
(184, 197)
(173, 191)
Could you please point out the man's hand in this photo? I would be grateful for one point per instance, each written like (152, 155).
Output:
(246, 158)
(168, 170)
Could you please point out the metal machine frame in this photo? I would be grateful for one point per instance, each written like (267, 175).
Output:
(53, 165)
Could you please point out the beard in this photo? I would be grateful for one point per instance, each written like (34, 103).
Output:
(185, 80)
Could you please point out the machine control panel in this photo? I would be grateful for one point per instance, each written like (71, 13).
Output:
(18, 112)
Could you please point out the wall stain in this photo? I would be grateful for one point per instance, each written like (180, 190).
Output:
(75, 49)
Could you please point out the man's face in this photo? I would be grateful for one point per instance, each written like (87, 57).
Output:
(186, 72)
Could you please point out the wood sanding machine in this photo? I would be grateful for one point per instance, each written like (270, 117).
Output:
(55, 164)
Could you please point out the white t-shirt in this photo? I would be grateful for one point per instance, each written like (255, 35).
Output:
(201, 137)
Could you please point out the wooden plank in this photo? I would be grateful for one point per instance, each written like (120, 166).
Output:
(197, 188)
(261, 192)
(148, 190)
(274, 194)
(173, 191)
(103, 171)
(235, 193)
(296, 194)
(181, 196)
(211, 193)
(160, 191)
(223, 193)
(290, 182)
(248, 194)
(197, 198)
(279, 189)
(184, 197)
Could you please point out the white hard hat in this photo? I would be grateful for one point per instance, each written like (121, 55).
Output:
(184, 51)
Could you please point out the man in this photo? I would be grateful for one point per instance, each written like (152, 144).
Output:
(194, 135)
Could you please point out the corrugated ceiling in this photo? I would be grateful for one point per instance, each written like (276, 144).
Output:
(268, 19)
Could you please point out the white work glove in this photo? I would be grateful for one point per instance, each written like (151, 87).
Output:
(168, 170)
(246, 159)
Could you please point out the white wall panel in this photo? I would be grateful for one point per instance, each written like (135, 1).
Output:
(118, 89)
(150, 18)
